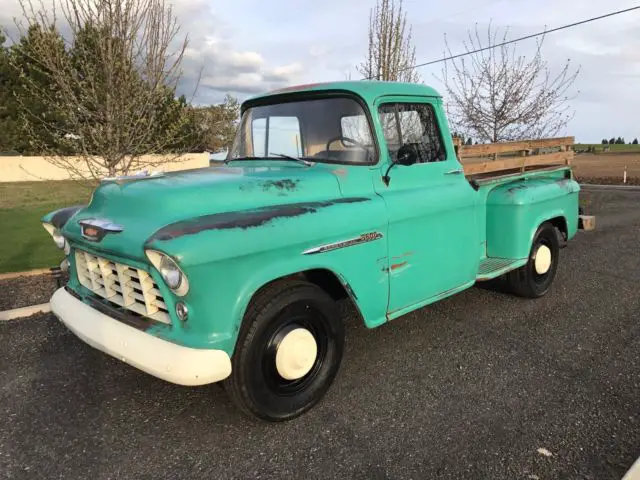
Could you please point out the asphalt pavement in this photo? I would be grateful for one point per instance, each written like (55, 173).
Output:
(482, 385)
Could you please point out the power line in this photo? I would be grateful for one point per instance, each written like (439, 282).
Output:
(527, 37)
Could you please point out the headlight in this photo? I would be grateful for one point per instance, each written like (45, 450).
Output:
(169, 271)
(58, 239)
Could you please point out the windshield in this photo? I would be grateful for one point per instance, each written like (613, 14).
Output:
(333, 129)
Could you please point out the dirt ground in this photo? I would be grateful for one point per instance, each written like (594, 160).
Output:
(607, 167)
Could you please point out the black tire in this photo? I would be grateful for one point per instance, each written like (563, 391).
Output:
(255, 385)
(526, 281)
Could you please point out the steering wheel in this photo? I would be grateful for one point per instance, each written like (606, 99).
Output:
(346, 139)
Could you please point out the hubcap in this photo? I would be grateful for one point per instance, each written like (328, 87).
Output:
(296, 354)
(543, 260)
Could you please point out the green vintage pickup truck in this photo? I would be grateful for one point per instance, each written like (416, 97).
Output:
(348, 190)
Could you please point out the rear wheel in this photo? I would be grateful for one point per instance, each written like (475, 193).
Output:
(534, 279)
(288, 352)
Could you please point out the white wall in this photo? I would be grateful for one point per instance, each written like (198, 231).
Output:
(29, 169)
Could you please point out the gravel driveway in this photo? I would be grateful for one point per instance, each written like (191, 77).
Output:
(26, 291)
(472, 387)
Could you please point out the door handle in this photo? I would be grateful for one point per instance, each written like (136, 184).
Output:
(454, 172)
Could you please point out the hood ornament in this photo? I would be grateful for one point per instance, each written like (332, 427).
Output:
(95, 229)
(141, 175)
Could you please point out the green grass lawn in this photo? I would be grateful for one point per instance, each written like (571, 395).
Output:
(25, 245)
(621, 148)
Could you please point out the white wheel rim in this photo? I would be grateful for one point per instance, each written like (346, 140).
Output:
(296, 354)
(543, 260)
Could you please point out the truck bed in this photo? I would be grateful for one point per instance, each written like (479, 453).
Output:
(488, 161)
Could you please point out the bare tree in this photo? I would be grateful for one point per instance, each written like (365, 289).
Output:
(107, 83)
(391, 53)
(497, 95)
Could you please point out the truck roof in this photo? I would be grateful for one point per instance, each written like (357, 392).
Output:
(367, 89)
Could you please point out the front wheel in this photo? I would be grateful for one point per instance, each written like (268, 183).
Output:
(534, 279)
(288, 351)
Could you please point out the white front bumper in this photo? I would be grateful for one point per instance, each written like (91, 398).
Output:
(162, 359)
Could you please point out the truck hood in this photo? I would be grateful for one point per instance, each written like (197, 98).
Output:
(143, 206)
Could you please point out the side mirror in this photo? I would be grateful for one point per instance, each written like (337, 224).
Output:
(407, 155)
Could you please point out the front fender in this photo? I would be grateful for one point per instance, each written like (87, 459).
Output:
(227, 265)
(362, 270)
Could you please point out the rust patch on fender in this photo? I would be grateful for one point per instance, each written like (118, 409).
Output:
(244, 219)
(283, 186)
(396, 266)
(341, 172)
(515, 188)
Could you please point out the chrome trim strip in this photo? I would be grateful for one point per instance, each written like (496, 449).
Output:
(364, 238)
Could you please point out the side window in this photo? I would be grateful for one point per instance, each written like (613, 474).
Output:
(279, 135)
(412, 124)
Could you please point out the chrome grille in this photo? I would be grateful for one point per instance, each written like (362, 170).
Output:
(128, 287)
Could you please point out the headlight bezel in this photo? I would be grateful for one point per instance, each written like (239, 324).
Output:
(162, 262)
(58, 239)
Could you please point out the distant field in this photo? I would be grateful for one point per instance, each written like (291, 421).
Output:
(25, 245)
(612, 148)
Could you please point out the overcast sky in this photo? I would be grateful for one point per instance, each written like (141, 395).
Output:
(249, 46)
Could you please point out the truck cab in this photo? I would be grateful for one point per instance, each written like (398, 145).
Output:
(349, 190)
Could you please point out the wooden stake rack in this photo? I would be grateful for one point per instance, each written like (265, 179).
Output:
(515, 156)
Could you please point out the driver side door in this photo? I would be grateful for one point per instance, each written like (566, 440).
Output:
(433, 238)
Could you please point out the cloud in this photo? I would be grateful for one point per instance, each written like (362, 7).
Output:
(283, 74)
(217, 63)
(223, 69)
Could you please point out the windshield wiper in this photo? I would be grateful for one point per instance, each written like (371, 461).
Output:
(304, 162)
(227, 160)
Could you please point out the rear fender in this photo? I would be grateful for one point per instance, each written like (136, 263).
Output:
(515, 212)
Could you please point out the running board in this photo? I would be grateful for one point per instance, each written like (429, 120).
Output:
(494, 267)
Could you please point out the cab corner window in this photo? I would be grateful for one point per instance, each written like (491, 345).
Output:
(412, 125)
